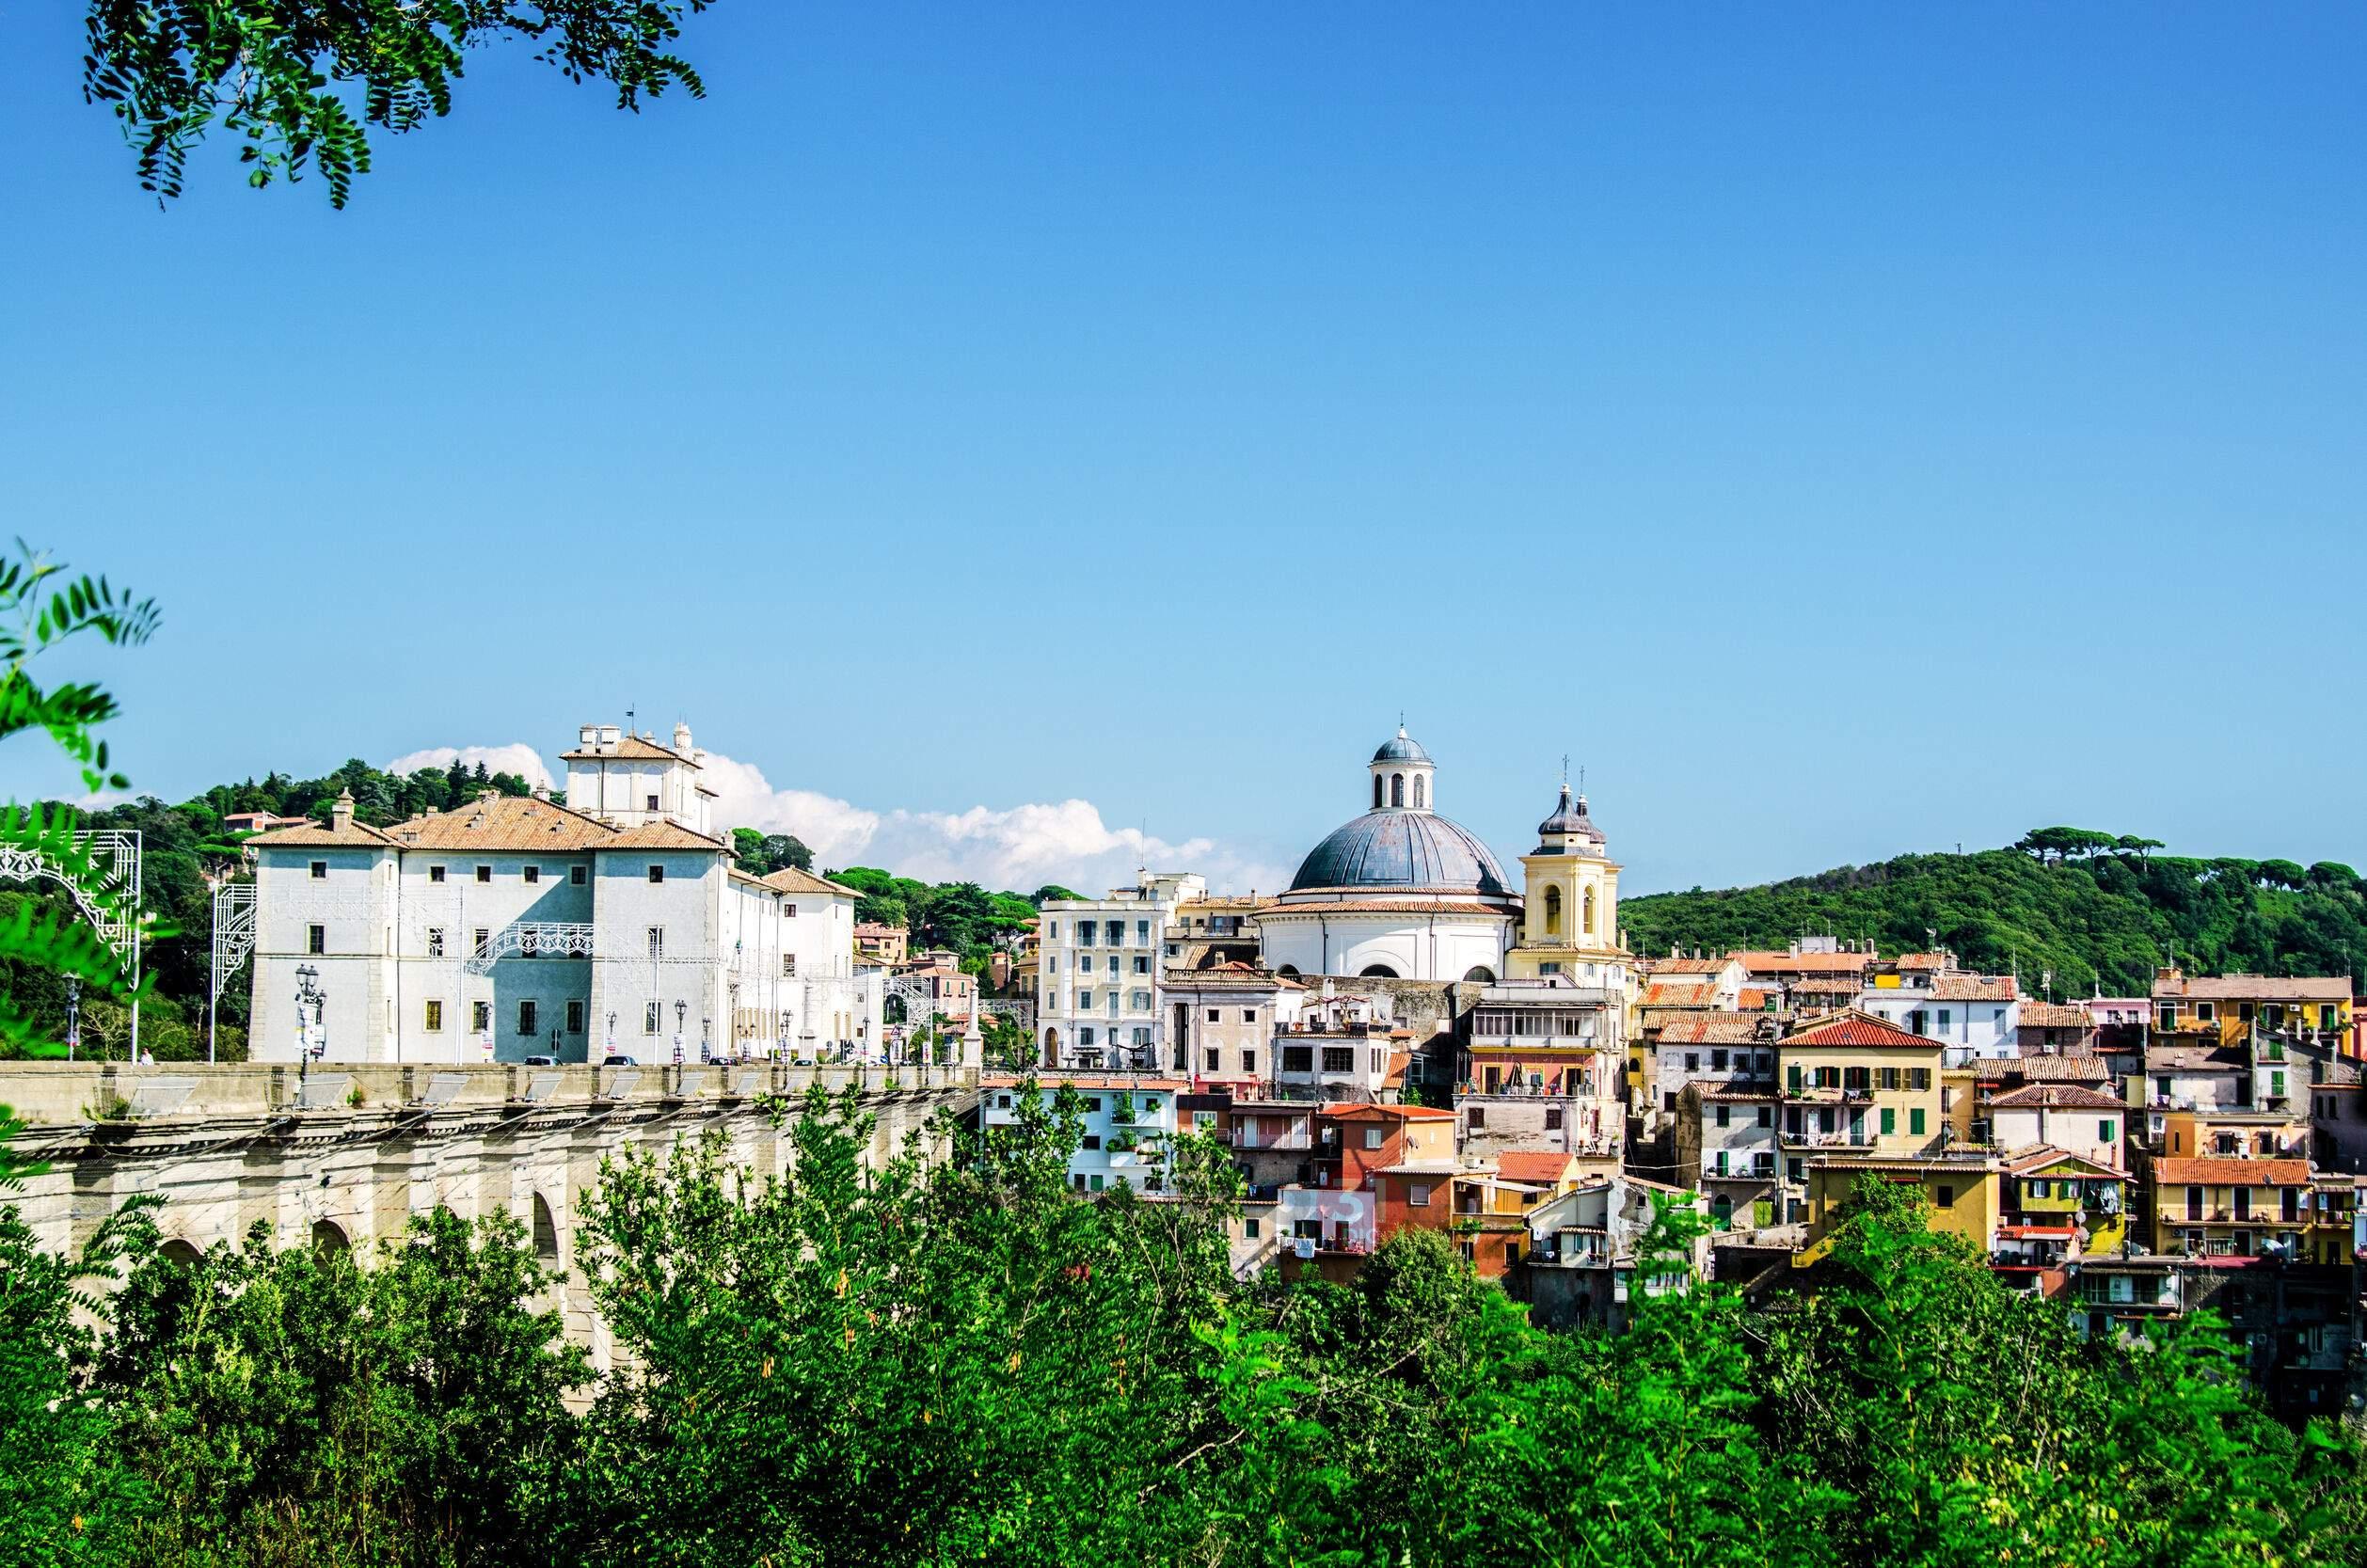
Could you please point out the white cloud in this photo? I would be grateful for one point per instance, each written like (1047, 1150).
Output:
(519, 758)
(1020, 847)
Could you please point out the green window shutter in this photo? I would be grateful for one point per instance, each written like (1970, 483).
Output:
(1914, 1121)
(1792, 1077)
(1890, 1121)
(2103, 1131)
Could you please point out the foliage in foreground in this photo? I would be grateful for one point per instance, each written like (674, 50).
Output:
(970, 1362)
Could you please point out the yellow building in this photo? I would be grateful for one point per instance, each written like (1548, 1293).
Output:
(2053, 1195)
(2238, 1009)
(1961, 1193)
(1570, 922)
(2219, 1207)
(1853, 1082)
(2235, 1133)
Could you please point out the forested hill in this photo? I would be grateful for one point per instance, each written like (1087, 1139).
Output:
(2097, 909)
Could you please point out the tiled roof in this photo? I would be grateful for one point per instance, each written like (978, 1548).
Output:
(2043, 1156)
(1533, 1164)
(1925, 960)
(1972, 987)
(2048, 1069)
(1049, 1082)
(1350, 1110)
(1754, 998)
(659, 836)
(791, 880)
(1855, 1028)
(2055, 1097)
(1679, 996)
(315, 835)
(2194, 1058)
(1682, 966)
(2208, 1171)
(1826, 985)
(511, 822)
(2254, 987)
(1805, 963)
(876, 929)
(1713, 1029)
(631, 747)
(2054, 1014)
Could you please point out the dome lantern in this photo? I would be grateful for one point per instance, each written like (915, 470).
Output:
(1404, 777)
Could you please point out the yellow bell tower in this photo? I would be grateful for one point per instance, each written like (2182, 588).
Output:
(1571, 925)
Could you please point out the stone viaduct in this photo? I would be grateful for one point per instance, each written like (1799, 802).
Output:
(344, 1156)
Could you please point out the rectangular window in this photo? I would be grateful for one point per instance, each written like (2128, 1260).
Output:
(649, 1017)
(481, 1017)
(1890, 1121)
(435, 941)
(1250, 1228)
(1722, 1114)
(1919, 1079)
(1417, 1194)
(1371, 1137)
(2243, 1203)
(1142, 964)
(1212, 1062)
(657, 873)
(485, 873)
(1084, 1000)
(1890, 1078)
(1914, 1121)
(2205, 1012)
(1944, 1020)
(435, 873)
(575, 876)
(316, 939)
(2104, 1130)
(1717, 1061)
(1051, 931)
(1085, 933)
(1339, 1058)
(1211, 1015)
(789, 966)
(1248, 1015)
(1692, 1061)
(657, 935)
(526, 1018)
(652, 801)
(1478, 1117)
(434, 1017)
(1299, 1058)
(1249, 1061)
(575, 1018)
(1767, 1118)
(485, 937)
(320, 870)
(1554, 1119)
(532, 874)
(1791, 1077)
(1944, 1196)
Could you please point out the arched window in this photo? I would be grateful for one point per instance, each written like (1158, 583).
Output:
(1722, 1211)
(328, 1236)
(1288, 970)
(1380, 972)
(1420, 804)
(1586, 912)
(1376, 792)
(1481, 973)
(545, 1233)
(1397, 789)
(1553, 911)
(180, 1254)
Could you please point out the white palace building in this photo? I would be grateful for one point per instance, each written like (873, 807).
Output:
(508, 927)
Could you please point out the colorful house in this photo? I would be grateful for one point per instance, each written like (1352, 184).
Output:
(2222, 1206)
(1854, 1083)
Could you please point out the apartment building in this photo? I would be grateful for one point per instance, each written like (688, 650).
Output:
(1099, 969)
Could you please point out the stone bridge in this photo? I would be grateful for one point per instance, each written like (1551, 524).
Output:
(343, 1156)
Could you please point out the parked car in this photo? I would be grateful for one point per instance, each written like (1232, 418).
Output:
(542, 1061)
(618, 1059)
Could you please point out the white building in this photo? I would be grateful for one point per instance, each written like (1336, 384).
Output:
(1398, 893)
(1974, 1017)
(1129, 1126)
(506, 929)
(1099, 964)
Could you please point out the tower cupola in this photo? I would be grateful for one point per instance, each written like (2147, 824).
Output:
(1403, 776)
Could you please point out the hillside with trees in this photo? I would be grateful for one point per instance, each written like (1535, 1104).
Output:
(2100, 910)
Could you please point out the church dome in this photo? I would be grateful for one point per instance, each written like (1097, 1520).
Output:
(1403, 849)
(1401, 748)
(1568, 823)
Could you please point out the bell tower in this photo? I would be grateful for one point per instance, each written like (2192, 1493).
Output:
(1570, 922)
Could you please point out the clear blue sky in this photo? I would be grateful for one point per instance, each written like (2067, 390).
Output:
(1844, 430)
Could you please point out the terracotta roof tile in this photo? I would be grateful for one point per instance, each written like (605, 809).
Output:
(1805, 963)
(1533, 1164)
(2055, 1097)
(1855, 1028)
(791, 880)
(1679, 996)
(2054, 1014)
(315, 836)
(1713, 1029)
(2048, 1069)
(659, 835)
(2254, 987)
(631, 748)
(2208, 1171)
(1972, 987)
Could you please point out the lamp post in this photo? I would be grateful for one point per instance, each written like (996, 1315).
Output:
(681, 1011)
(73, 1016)
(706, 1036)
(308, 993)
(612, 1033)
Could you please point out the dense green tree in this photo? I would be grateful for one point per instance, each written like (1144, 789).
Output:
(760, 854)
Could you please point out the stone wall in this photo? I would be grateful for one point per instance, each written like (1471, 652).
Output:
(345, 1155)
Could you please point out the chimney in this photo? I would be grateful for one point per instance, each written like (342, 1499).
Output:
(340, 815)
(587, 736)
(611, 736)
(541, 790)
(682, 738)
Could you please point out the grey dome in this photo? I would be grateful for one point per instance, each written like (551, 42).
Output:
(1403, 849)
(1568, 822)
(1401, 749)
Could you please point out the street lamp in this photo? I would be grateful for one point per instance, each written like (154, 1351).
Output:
(73, 1016)
(612, 1033)
(308, 993)
(681, 1011)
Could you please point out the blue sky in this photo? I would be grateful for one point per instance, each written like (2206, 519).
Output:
(1843, 429)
